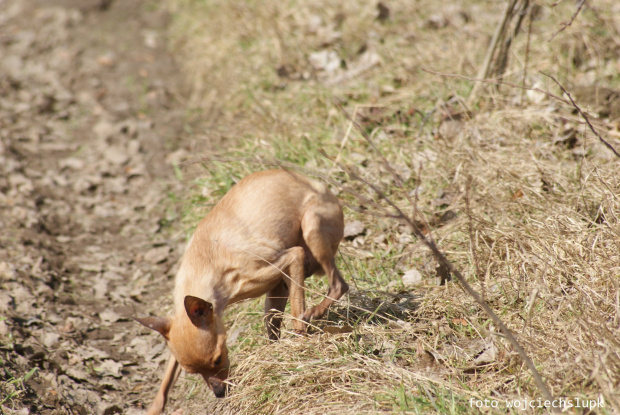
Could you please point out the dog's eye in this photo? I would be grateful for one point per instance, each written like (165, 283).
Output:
(218, 361)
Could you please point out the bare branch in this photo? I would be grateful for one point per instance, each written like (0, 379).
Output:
(583, 114)
(570, 22)
(470, 229)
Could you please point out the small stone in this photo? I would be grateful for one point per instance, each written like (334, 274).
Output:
(412, 277)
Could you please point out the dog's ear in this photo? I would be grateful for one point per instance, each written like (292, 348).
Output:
(160, 324)
(199, 311)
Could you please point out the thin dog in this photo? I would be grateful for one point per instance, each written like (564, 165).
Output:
(272, 230)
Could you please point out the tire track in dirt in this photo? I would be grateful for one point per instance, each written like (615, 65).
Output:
(88, 116)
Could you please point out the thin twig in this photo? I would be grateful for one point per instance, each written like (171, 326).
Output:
(470, 229)
(570, 22)
(583, 114)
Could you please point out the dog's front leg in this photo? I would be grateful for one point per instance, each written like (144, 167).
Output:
(275, 303)
(172, 373)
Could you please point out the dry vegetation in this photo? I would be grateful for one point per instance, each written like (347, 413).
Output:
(521, 196)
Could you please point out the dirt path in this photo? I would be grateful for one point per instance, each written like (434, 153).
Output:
(89, 112)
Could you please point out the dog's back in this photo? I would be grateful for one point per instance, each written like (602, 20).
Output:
(259, 218)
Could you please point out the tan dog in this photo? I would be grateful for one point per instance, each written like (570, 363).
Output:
(267, 234)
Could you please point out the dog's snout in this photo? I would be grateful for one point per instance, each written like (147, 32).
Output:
(220, 393)
(219, 388)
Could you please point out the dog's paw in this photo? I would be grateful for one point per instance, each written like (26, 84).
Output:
(313, 313)
(157, 407)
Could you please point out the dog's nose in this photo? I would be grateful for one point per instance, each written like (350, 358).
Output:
(221, 392)
(219, 388)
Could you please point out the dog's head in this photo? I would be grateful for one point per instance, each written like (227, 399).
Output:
(197, 339)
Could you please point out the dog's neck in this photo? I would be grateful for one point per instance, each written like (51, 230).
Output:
(215, 272)
(204, 287)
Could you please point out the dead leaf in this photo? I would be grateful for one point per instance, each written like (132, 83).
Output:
(364, 63)
(518, 194)
(116, 155)
(108, 59)
(157, 255)
(76, 373)
(436, 21)
(353, 228)
(108, 317)
(444, 199)
(325, 60)
(488, 355)
(81, 354)
(110, 368)
(460, 321)
(51, 340)
(101, 288)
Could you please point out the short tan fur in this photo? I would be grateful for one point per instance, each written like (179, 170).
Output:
(272, 230)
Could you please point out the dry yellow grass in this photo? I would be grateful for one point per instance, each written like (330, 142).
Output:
(530, 199)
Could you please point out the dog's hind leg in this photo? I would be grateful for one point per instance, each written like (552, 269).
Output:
(275, 303)
(289, 267)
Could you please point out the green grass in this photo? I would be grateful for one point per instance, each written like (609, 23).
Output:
(12, 387)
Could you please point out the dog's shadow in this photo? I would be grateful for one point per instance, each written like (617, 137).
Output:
(370, 307)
